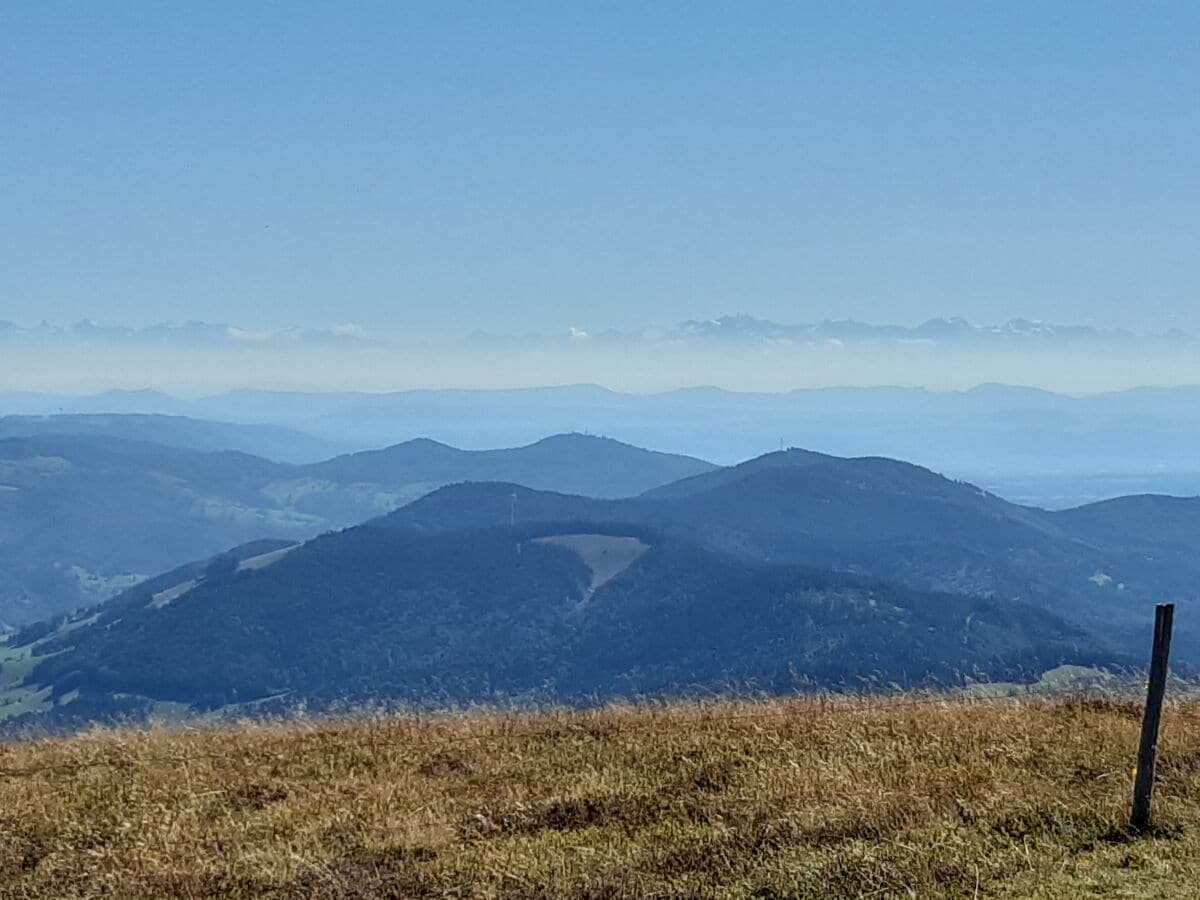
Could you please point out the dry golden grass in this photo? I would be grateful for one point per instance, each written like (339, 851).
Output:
(798, 798)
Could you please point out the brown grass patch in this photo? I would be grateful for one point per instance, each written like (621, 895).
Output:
(781, 799)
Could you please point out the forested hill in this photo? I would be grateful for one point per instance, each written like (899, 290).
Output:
(568, 463)
(794, 567)
(537, 613)
(84, 515)
(890, 520)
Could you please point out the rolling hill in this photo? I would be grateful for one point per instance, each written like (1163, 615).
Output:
(568, 463)
(792, 568)
(1036, 447)
(84, 515)
(535, 613)
(889, 520)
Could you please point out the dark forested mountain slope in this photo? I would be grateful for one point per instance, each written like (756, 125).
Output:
(793, 458)
(84, 515)
(1146, 521)
(486, 589)
(386, 613)
(882, 518)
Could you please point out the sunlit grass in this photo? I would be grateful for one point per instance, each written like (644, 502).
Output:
(787, 798)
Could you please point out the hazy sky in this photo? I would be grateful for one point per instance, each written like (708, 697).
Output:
(434, 168)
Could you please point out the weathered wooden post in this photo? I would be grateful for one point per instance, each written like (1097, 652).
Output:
(1143, 785)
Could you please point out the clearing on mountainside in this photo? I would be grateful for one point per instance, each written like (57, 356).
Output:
(606, 555)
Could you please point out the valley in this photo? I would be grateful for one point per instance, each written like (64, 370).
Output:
(83, 516)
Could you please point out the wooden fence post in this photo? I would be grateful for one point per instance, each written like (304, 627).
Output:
(1143, 786)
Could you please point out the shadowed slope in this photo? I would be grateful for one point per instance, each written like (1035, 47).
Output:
(884, 518)
(375, 613)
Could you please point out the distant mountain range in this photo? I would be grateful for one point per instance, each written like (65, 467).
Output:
(84, 514)
(1028, 445)
(274, 442)
(740, 327)
(743, 328)
(793, 569)
(187, 334)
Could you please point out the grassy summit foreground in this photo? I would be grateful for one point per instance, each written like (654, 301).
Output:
(773, 799)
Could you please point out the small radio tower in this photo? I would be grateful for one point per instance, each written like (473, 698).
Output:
(512, 518)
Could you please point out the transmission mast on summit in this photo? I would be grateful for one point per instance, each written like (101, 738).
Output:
(512, 518)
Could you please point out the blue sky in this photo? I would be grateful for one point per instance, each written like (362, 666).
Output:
(435, 168)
